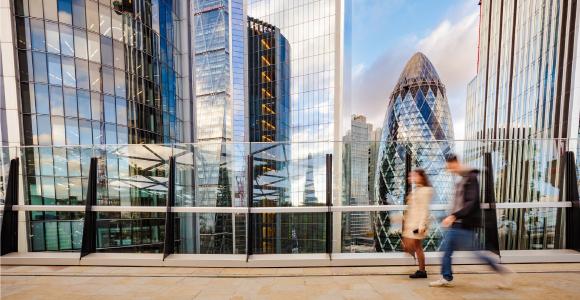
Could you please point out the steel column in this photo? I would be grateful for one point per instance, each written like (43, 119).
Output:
(329, 204)
(9, 216)
(572, 213)
(489, 215)
(89, 242)
(169, 238)
(250, 222)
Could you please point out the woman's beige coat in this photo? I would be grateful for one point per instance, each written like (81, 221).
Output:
(417, 213)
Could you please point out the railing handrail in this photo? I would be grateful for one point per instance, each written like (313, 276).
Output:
(281, 209)
(97, 146)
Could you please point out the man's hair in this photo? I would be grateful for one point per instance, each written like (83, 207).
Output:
(451, 158)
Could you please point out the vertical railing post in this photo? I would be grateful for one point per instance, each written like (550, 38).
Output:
(169, 239)
(89, 241)
(9, 216)
(250, 219)
(329, 205)
(573, 212)
(489, 215)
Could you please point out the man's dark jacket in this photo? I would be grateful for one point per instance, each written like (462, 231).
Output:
(469, 216)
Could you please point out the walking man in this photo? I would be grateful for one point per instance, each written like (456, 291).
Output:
(464, 219)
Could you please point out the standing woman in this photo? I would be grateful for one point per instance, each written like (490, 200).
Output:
(416, 218)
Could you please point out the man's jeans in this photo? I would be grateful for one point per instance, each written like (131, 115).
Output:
(464, 239)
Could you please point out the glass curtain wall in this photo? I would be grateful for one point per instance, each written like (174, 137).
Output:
(95, 72)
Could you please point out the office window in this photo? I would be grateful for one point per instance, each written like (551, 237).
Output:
(110, 114)
(92, 10)
(52, 37)
(107, 51)
(65, 11)
(56, 101)
(40, 72)
(78, 7)
(81, 44)
(54, 69)
(35, 7)
(105, 20)
(95, 76)
(58, 131)
(72, 132)
(37, 35)
(41, 97)
(67, 46)
(85, 132)
(68, 71)
(50, 10)
(44, 129)
(94, 47)
(84, 104)
(96, 106)
(70, 102)
(108, 81)
(82, 73)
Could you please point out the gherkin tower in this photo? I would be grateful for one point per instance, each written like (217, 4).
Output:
(417, 124)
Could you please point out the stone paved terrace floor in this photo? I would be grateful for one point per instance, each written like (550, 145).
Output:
(531, 281)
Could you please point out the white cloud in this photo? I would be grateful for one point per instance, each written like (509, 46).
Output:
(452, 48)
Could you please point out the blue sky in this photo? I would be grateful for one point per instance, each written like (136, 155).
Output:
(386, 33)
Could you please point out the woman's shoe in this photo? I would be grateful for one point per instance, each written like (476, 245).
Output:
(419, 274)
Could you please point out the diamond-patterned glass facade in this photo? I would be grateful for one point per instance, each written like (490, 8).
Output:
(417, 123)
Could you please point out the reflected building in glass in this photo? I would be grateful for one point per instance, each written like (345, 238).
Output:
(96, 73)
(269, 125)
(417, 130)
(221, 119)
(525, 89)
(357, 231)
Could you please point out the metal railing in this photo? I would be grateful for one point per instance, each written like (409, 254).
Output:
(167, 172)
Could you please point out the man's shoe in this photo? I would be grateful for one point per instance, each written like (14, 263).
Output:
(442, 282)
(419, 274)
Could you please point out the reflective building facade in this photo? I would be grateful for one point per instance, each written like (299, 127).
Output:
(357, 230)
(418, 129)
(525, 89)
(269, 115)
(221, 118)
(93, 73)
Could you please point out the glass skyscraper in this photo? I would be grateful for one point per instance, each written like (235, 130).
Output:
(524, 92)
(93, 73)
(417, 129)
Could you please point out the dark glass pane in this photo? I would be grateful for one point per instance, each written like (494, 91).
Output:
(25, 65)
(23, 33)
(27, 98)
(21, 7)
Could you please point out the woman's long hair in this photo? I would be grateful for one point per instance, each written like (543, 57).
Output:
(424, 178)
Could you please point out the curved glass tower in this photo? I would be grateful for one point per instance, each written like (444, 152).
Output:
(94, 73)
(417, 125)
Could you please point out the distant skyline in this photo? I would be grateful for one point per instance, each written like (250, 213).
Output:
(386, 33)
